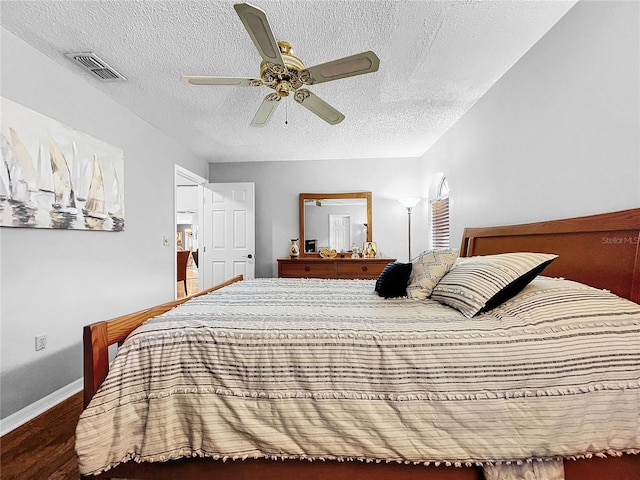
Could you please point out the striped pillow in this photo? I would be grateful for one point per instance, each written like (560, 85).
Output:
(428, 268)
(484, 282)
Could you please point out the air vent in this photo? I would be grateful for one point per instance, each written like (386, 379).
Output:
(98, 67)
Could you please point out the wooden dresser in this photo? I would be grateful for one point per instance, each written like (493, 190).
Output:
(317, 267)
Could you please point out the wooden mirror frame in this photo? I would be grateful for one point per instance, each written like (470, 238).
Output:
(314, 196)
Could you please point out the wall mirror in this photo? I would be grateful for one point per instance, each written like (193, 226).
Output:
(334, 220)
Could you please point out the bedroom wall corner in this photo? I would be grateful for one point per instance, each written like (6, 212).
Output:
(557, 135)
(54, 282)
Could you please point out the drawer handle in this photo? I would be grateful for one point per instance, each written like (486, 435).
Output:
(364, 268)
(307, 268)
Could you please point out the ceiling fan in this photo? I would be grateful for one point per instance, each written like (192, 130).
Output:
(287, 74)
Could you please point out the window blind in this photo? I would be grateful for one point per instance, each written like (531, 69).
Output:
(440, 223)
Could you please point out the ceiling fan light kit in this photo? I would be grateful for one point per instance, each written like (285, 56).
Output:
(285, 73)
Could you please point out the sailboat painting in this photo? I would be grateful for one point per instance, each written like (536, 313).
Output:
(54, 176)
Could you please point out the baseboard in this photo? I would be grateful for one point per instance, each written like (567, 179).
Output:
(30, 412)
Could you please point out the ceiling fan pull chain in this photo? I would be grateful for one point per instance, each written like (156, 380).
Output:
(286, 112)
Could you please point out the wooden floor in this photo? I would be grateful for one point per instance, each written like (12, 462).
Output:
(43, 448)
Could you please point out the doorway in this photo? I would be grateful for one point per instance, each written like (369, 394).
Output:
(188, 203)
(216, 221)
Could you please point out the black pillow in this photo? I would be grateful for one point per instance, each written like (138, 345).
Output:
(393, 280)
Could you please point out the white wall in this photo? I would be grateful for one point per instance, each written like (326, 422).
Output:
(279, 183)
(558, 135)
(54, 282)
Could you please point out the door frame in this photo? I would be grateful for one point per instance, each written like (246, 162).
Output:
(182, 176)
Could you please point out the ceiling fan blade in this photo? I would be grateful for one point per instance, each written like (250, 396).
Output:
(209, 80)
(316, 105)
(267, 107)
(358, 64)
(257, 25)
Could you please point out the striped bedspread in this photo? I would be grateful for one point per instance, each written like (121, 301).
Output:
(326, 369)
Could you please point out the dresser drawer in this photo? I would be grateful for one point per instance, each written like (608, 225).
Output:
(314, 267)
(361, 269)
(308, 270)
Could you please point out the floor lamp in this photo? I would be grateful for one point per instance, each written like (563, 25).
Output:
(409, 203)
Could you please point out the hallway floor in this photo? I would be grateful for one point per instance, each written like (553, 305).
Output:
(192, 280)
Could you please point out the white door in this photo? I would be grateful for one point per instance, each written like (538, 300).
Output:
(340, 232)
(229, 232)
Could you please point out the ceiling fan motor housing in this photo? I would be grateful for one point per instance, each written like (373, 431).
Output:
(283, 79)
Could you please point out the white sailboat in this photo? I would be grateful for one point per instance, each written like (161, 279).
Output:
(28, 172)
(18, 187)
(85, 174)
(5, 181)
(15, 189)
(64, 197)
(116, 203)
(45, 175)
(95, 206)
(74, 166)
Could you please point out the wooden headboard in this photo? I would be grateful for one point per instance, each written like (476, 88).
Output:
(599, 250)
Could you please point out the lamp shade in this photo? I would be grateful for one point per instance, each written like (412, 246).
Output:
(409, 202)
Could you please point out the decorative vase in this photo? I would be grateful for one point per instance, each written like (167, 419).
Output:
(294, 248)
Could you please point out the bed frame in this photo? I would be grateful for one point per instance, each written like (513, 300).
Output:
(599, 250)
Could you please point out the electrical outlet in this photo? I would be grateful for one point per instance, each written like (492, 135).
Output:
(165, 241)
(41, 342)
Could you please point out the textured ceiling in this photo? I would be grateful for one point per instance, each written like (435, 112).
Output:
(436, 59)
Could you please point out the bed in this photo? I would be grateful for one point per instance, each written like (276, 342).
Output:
(600, 250)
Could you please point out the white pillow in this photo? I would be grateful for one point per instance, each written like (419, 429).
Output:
(428, 268)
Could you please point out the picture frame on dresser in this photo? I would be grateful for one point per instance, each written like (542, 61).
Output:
(311, 246)
(369, 250)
